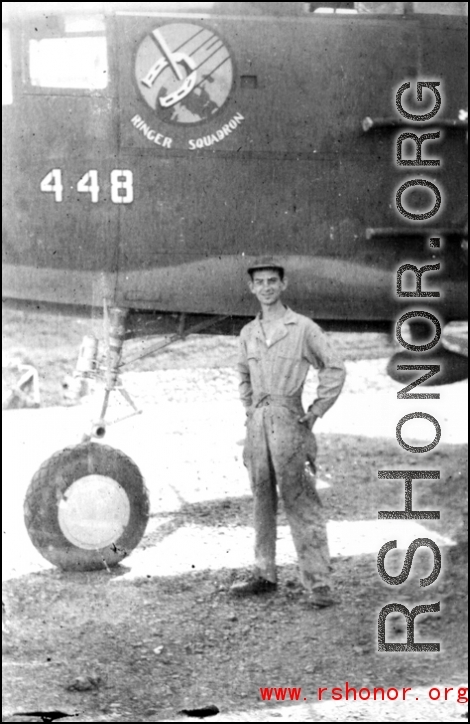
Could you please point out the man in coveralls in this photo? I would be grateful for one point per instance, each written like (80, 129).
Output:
(276, 350)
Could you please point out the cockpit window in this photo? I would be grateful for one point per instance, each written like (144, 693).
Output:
(72, 62)
(7, 82)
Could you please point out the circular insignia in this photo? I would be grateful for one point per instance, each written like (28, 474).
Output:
(184, 72)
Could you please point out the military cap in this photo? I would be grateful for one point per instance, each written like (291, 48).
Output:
(265, 262)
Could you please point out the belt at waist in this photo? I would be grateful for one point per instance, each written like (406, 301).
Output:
(293, 402)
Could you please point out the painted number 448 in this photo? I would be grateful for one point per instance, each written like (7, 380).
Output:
(122, 185)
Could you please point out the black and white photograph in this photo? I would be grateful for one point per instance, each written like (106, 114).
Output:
(235, 361)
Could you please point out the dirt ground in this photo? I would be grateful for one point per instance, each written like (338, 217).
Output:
(153, 646)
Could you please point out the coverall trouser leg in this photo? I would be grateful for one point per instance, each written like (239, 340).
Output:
(275, 454)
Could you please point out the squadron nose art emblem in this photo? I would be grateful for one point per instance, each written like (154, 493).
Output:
(184, 72)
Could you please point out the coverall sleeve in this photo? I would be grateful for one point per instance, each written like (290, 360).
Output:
(245, 389)
(332, 372)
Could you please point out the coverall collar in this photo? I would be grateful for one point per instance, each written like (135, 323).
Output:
(288, 318)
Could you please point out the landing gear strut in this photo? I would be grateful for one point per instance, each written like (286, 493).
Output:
(115, 343)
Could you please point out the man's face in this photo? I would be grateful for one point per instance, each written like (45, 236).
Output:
(267, 286)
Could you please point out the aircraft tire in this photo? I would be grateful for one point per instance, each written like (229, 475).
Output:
(87, 507)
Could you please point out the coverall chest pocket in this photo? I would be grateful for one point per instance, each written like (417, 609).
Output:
(287, 370)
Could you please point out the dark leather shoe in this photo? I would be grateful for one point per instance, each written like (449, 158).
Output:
(252, 587)
(321, 597)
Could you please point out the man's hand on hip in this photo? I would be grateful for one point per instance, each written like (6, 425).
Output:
(309, 419)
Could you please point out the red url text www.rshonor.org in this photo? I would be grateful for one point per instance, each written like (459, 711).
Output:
(378, 693)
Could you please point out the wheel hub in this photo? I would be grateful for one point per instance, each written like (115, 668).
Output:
(94, 512)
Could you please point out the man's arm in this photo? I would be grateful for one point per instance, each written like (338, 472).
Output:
(245, 389)
(331, 375)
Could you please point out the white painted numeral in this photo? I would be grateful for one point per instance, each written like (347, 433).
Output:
(88, 184)
(122, 187)
(52, 184)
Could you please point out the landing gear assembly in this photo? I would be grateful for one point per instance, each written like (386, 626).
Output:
(87, 506)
